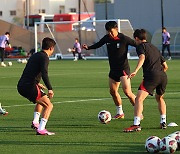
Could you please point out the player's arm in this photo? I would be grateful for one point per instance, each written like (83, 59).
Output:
(96, 45)
(164, 64)
(139, 65)
(44, 72)
(130, 41)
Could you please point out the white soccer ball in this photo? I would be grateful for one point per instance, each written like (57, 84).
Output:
(176, 136)
(104, 116)
(69, 49)
(19, 60)
(152, 144)
(24, 61)
(168, 145)
(9, 63)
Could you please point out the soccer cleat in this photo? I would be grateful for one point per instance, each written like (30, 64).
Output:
(133, 128)
(44, 132)
(34, 125)
(169, 58)
(118, 116)
(75, 58)
(163, 125)
(3, 112)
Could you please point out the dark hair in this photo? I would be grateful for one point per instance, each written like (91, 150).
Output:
(163, 28)
(76, 39)
(140, 33)
(48, 43)
(7, 33)
(111, 24)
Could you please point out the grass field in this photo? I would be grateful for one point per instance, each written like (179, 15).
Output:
(81, 91)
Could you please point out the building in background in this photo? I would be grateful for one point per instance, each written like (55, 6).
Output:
(13, 11)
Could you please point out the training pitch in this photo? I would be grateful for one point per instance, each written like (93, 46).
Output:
(81, 91)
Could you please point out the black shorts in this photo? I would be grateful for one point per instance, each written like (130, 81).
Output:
(31, 92)
(150, 83)
(115, 75)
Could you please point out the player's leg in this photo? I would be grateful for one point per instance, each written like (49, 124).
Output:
(37, 112)
(126, 86)
(2, 52)
(138, 109)
(163, 48)
(169, 53)
(162, 110)
(113, 87)
(47, 108)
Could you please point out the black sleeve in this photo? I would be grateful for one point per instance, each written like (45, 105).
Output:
(140, 50)
(162, 59)
(130, 41)
(98, 44)
(7, 42)
(44, 72)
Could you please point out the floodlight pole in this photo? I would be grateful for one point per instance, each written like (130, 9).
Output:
(162, 19)
(27, 14)
(106, 14)
(79, 19)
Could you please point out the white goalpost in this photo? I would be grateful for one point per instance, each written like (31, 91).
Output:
(65, 32)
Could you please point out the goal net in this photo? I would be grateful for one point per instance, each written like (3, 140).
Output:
(88, 32)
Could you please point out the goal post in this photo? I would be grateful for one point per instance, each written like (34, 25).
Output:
(65, 32)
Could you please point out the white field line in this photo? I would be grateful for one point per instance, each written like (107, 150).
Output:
(82, 100)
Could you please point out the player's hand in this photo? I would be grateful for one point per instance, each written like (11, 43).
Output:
(85, 46)
(133, 74)
(50, 94)
(41, 86)
(10, 45)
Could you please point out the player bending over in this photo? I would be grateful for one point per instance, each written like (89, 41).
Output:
(29, 85)
(117, 47)
(154, 68)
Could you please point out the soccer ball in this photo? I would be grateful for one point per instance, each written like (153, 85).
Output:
(10, 63)
(19, 60)
(176, 136)
(152, 144)
(69, 49)
(24, 61)
(168, 145)
(104, 116)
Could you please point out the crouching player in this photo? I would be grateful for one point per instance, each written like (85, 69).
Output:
(154, 68)
(29, 85)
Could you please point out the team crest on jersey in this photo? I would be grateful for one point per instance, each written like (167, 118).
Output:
(118, 45)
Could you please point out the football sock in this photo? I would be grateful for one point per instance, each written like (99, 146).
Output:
(36, 117)
(163, 118)
(119, 109)
(137, 120)
(42, 124)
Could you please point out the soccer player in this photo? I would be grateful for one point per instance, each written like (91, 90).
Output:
(30, 87)
(166, 42)
(4, 39)
(154, 68)
(77, 49)
(3, 111)
(117, 47)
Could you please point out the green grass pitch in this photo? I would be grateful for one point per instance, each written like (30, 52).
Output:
(81, 91)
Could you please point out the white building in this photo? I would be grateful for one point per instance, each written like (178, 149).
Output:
(13, 11)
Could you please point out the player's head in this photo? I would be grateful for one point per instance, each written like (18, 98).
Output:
(76, 39)
(7, 33)
(48, 43)
(164, 29)
(140, 34)
(111, 25)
